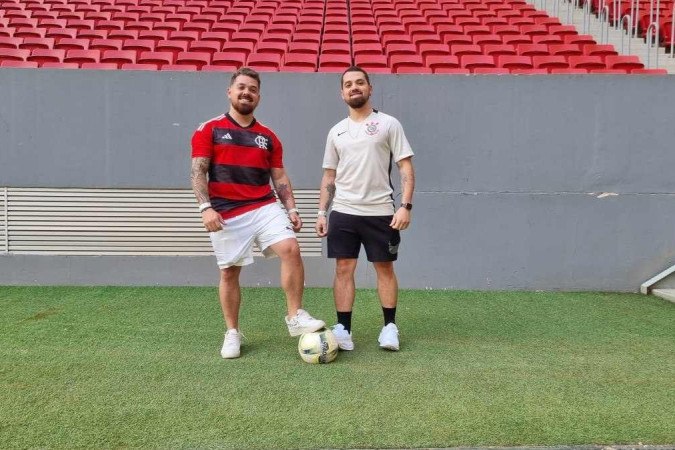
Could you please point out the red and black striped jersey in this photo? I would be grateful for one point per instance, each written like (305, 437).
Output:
(241, 159)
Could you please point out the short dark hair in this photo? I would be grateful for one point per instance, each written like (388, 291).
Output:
(248, 72)
(354, 69)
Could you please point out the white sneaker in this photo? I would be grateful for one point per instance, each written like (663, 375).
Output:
(344, 338)
(389, 337)
(302, 322)
(231, 344)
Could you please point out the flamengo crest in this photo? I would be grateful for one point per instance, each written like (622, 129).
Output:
(261, 142)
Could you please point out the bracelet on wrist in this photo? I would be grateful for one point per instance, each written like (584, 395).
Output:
(322, 213)
(204, 206)
(293, 210)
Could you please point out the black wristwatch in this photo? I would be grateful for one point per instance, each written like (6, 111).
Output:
(407, 206)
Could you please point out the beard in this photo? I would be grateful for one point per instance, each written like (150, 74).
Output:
(243, 108)
(358, 102)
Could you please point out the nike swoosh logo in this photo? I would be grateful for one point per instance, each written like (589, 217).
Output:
(340, 134)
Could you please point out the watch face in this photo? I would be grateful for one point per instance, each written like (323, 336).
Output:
(407, 206)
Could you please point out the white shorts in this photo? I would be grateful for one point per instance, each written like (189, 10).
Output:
(265, 226)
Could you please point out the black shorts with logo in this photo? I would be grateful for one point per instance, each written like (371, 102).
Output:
(346, 233)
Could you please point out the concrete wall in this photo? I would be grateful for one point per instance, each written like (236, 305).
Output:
(510, 169)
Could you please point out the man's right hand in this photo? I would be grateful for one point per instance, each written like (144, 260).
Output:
(211, 220)
(321, 226)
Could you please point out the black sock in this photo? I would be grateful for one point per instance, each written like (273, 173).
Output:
(389, 315)
(345, 318)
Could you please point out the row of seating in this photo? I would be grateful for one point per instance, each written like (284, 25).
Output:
(274, 61)
(399, 36)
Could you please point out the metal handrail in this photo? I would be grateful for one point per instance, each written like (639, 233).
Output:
(630, 18)
(635, 13)
(650, 42)
(586, 24)
(603, 17)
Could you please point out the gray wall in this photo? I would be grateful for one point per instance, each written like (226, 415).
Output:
(509, 169)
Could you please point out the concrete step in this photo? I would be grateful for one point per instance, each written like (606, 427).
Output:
(668, 294)
(605, 34)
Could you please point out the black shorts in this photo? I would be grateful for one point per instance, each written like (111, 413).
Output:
(346, 233)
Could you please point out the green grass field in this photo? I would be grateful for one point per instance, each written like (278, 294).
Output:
(140, 367)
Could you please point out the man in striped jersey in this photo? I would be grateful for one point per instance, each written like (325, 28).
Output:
(234, 158)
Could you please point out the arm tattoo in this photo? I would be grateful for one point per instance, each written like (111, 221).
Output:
(285, 194)
(200, 184)
(330, 188)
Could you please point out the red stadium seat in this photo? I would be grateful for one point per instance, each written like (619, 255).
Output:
(487, 39)
(310, 48)
(599, 50)
(434, 49)
(264, 61)
(10, 42)
(514, 62)
(608, 71)
(461, 50)
(42, 55)
(549, 62)
(579, 39)
(139, 67)
(119, 57)
(491, 71)
(159, 59)
(586, 62)
(32, 43)
(442, 62)
(63, 65)
(18, 64)
(106, 44)
(547, 39)
(529, 71)
(627, 62)
(99, 66)
(82, 56)
(416, 69)
(179, 67)
(371, 61)
(563, 30)
(334, 63)
(516, 40)
(501, 49)
(72, 44)
(564, 49)
(472, 62)
(205, 46)
(405, 60)
(299, 61)
(139, 45)
(532, 49)
(174, 47)
(198, 59)
(14, 54)
(230, 59)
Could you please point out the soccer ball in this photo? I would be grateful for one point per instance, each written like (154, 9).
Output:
(319, 347)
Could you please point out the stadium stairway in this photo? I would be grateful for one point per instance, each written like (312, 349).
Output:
(661, 285)
(603, 34)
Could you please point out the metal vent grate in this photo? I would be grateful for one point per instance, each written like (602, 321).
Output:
(119, 222)
(3, 220)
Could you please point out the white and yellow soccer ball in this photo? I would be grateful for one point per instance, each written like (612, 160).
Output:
(319, 347)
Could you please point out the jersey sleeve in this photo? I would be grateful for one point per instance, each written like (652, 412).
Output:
(277, 156)
(330, 156)
(400, 147)
(202, 142)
